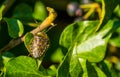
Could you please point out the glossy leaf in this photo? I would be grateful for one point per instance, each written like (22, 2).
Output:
(23, 66)
(78, 30)
(15, 27)
(40, 12)
(93, 49)
(91, 46)
(27, 40)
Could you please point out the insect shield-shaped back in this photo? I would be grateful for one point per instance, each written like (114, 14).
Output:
(38, 44)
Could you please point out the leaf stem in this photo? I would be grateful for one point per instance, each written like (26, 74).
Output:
(46, 23)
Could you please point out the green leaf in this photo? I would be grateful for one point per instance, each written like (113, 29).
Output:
(78, 30)
(40, 12)
(23, 12)
(15, 27)
(23, 66)
(92, 49)
(84, 44)
(27, 40)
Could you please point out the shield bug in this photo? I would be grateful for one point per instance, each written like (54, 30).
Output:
(39, 44)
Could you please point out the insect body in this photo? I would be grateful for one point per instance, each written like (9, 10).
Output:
(39, 45)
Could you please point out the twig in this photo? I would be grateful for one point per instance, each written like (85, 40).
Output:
(46, 23)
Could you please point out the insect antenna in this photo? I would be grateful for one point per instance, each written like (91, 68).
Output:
(53, 25)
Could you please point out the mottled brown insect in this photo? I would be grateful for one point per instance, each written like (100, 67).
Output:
(39, 44)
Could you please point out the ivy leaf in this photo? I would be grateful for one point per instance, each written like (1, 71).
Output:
(15, 27)
(88, 45)
(93, 49)
(84, 44)
(23, 66)
(82, 29)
